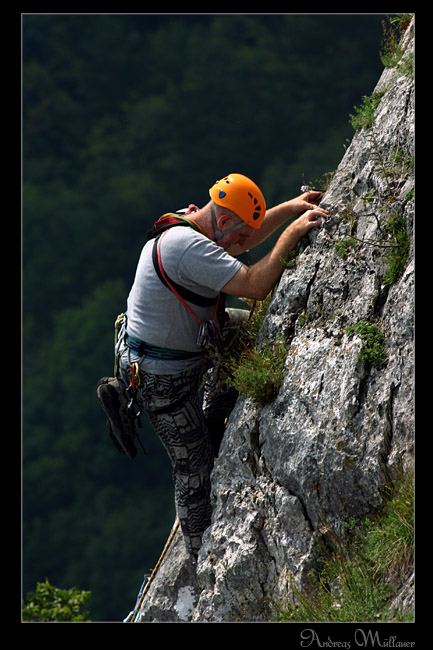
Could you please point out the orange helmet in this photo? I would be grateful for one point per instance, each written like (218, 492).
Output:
(240, 195)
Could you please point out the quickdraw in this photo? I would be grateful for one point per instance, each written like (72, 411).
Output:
(133, 408)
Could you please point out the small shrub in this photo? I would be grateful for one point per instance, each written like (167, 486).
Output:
(256, 370)
(373, 350)
(259, 372)
(365, 115)
(397, 256)
(290, 262)
(391, 53)
(49, 603)
(343, 246)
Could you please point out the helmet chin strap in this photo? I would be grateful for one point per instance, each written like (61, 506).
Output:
(218, 234)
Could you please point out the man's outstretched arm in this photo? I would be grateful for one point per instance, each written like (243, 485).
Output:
(276, 217)
(257, 281)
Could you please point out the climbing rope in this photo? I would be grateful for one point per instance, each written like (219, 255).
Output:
(154, 572)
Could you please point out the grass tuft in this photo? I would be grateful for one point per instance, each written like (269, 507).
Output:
(358, 578)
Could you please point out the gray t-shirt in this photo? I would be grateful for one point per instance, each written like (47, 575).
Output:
(156, 315)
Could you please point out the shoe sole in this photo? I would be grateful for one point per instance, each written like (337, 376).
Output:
(120, 425)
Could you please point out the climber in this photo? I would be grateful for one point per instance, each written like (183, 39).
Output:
(174, 310)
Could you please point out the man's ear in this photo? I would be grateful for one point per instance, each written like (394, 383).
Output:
(192, 208)
(223, 219)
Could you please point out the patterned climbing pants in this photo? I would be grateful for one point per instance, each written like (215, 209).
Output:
(175, 410)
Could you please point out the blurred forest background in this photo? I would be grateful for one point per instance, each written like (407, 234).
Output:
(126, 117)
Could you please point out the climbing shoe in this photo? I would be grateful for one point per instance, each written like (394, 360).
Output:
(121, 426)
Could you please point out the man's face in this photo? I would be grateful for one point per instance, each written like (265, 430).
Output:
(237, 237)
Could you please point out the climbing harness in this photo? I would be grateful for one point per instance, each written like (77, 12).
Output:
(134, 616)
(154, 351)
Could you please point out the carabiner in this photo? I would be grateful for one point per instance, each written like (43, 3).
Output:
(135, 375)
(132, 408)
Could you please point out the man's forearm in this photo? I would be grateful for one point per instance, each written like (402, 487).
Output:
(258, 280)
(264, 275)
(274, 218)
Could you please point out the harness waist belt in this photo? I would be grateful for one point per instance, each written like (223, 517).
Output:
(155, 352)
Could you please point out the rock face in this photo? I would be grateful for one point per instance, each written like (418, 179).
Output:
(339, 429)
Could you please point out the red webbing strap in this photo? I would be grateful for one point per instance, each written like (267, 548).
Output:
(174, 290)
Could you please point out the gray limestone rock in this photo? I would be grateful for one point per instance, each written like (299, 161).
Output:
(339, 430)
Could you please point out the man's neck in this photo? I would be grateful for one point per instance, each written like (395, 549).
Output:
(202, 219)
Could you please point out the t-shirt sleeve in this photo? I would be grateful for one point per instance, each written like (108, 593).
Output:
(203, 265)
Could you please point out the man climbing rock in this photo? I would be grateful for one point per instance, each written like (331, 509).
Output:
(174, 314)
